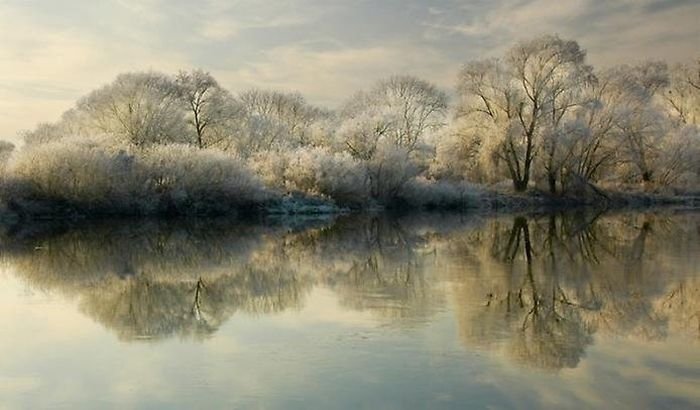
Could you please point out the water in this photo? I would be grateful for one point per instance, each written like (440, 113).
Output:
(425, 311)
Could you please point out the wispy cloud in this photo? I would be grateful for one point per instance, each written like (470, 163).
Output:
(326, 76)
(612, 31)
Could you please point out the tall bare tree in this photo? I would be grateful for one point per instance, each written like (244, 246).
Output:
(208, 105)
(520, 102)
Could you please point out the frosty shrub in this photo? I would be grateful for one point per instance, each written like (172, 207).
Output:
(85, 176)
(318, 171)
(6, 149)
(270, 168)
(313, 171)
(190, 180)
(389, 171)
(78, 172)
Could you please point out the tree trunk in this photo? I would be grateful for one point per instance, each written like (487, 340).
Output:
(520, 185)
(552, 181)
(200, 143)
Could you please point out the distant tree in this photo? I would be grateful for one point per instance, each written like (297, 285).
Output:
(137, 108)
(384, 127)
(641, 123)
(591, 142)
(399, 110)
(6, 149)
(43, 132)
(209, 106)
(361, 130)
(270, 119)
(73, 123)
(484, 117)
(683, 93)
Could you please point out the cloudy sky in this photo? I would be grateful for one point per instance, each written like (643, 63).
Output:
(52, 52)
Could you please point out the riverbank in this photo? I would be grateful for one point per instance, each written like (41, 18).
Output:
(478, 200)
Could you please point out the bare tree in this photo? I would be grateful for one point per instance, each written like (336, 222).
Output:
(641, 124)
(385, 126)
(683, 93)
(272, 118)
(137, 108)
(208, 104)
(590, 143)
(399, 109)
(6, 149)
(521, 102)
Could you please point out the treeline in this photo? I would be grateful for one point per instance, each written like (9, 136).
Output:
(540, 118)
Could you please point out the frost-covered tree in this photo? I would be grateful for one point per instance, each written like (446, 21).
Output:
(73, 123)
(272, 119)
(386, 125)
(483, 120)
(361, 132)
(399, 110)
(624, 131)
(552, 73)
(683, 93)
(138, 109)
(641, 123)
(334, 175)
(418, 107)
(589, 143)
(208, 106)
(679, 156)
(518, 104)
(6, 149)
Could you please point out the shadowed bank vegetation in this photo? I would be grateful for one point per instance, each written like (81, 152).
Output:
(537, 126)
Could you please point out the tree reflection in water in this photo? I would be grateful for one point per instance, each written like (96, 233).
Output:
(541, 287)
(537, 288)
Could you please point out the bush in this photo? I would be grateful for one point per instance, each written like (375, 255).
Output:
(425, 193)
(335, 175)
(389, 171)
(194, 180)
(314, 171)
(76, 172)
(270, 167)
(87, 177)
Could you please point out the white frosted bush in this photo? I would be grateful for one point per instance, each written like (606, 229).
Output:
(77, 171)
(186, 176)
(321, 172)
(6, 149)
(270, 168)
(389, 171)
(165, 178)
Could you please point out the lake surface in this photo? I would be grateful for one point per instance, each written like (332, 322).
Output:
(579, 310)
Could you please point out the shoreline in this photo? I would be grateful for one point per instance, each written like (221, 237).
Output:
(312, 208)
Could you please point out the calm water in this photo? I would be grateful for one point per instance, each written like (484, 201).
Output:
(428, 311)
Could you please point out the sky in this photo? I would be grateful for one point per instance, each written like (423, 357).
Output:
(53, 52)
